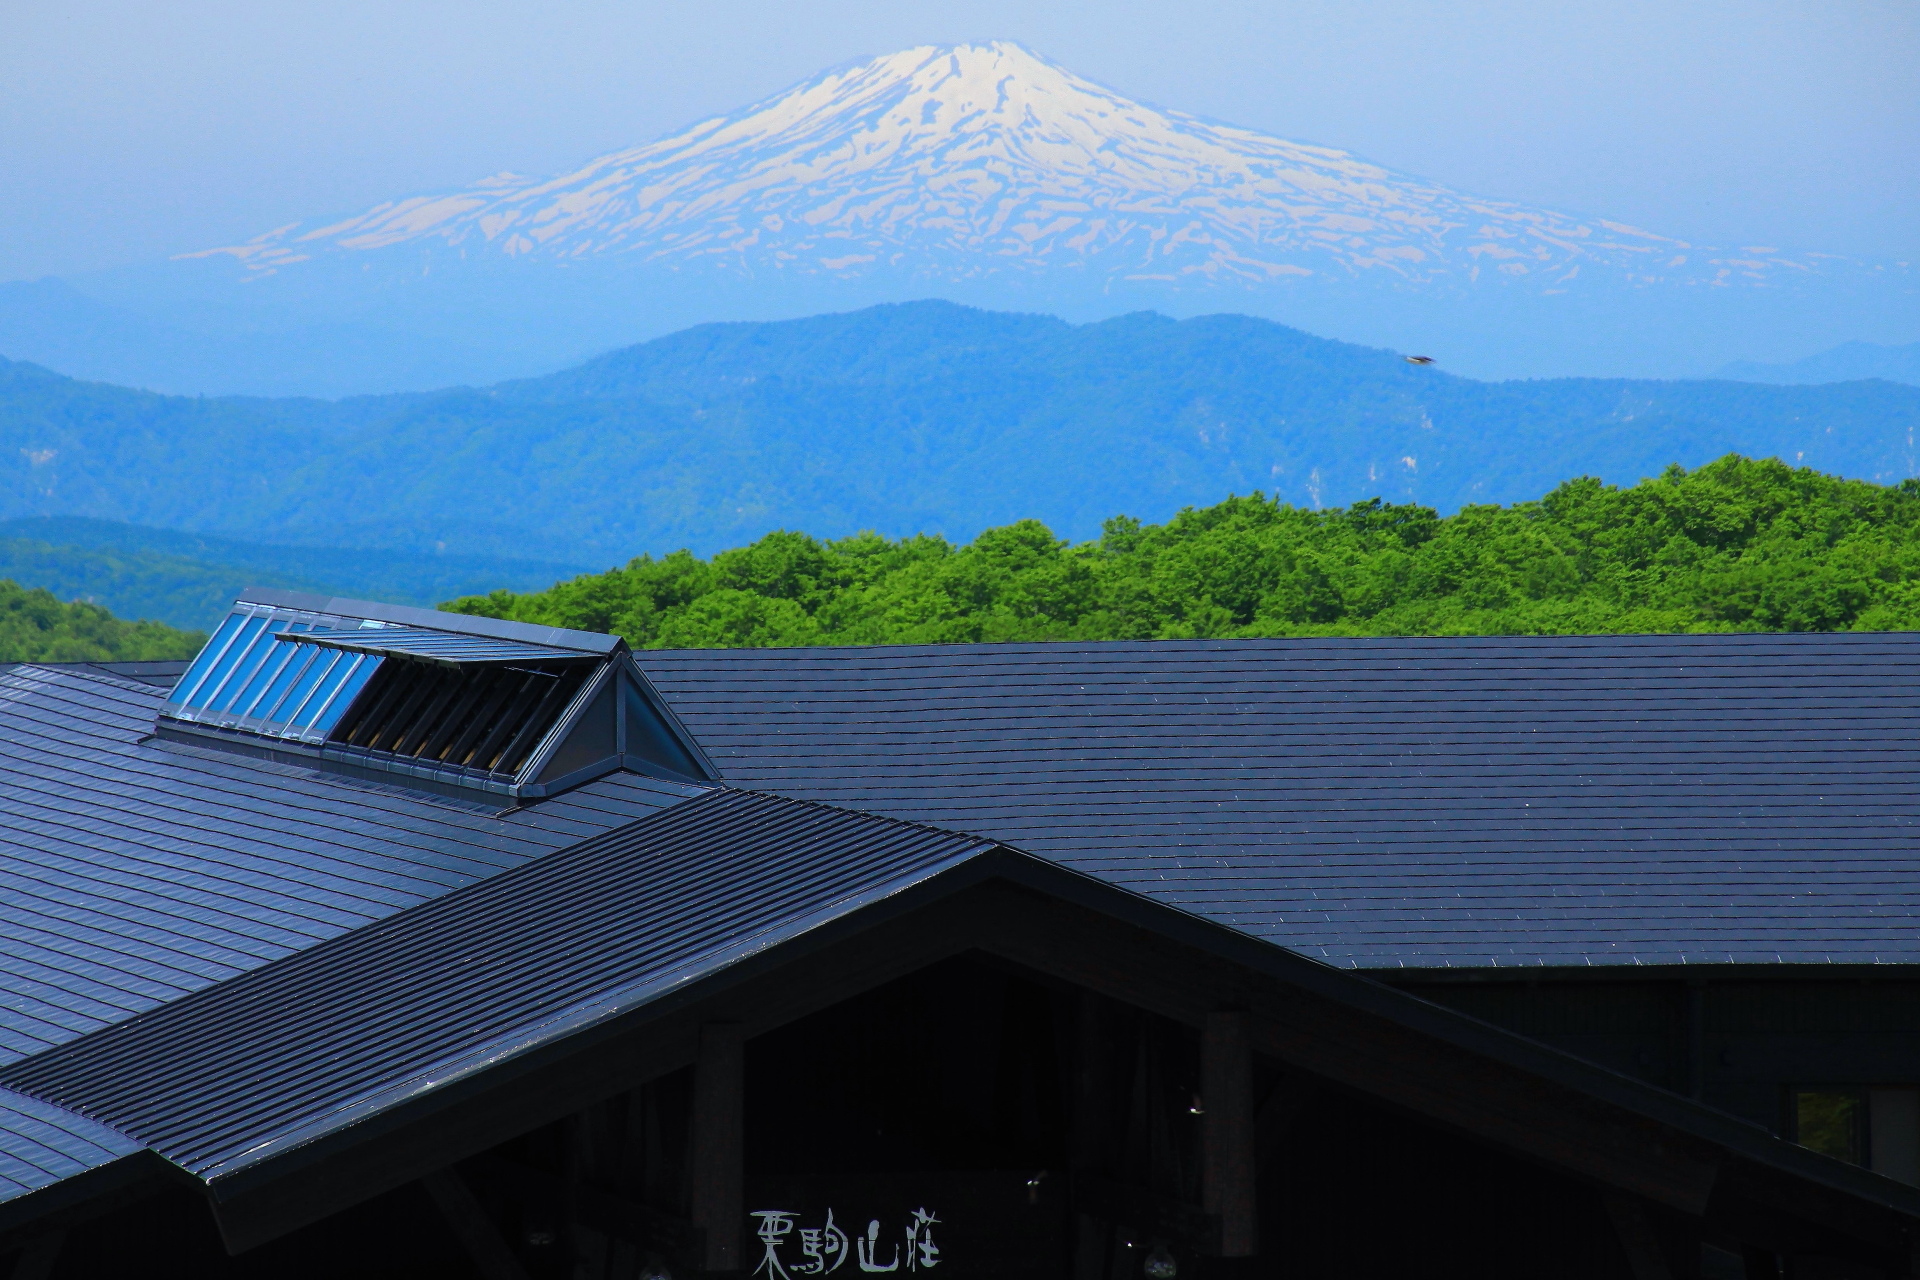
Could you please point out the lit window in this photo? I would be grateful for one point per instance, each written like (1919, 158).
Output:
(1875, 1127)
(1830, 1121)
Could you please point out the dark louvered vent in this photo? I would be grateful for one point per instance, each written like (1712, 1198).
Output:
(487, 717)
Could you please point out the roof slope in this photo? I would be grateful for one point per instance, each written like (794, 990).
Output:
(227, 1082)
(134, 871)
(1390, 802)
(41, 1144)
(236, 1073)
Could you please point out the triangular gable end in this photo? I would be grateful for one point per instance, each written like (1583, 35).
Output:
(617, 722)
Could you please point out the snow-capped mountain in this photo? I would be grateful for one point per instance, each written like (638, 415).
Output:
(975, 161)
(980, 174)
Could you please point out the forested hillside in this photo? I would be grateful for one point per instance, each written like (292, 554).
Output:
(927, 418)
(35, 626)
(188, 580)
(1735, 545)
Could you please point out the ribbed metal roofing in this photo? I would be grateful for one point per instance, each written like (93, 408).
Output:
(586, 642)
(41, 1144)
(133, 871)
(1378, 803)
(441, 647)
(310, 1042)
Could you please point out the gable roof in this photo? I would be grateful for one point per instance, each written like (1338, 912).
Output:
(237, 1073)
(136, 870)
(1380, 803)
(276, 1073)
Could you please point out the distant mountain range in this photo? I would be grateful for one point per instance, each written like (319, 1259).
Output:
(980, 173)
(904, 418)
(1848, 362)
(190, 580)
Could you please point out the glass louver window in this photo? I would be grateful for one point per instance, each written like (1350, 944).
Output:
(247, 678)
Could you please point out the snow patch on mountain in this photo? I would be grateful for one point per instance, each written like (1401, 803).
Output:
(961, 162)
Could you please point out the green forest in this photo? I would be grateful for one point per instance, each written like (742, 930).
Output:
(35, 626)
(1736, 545)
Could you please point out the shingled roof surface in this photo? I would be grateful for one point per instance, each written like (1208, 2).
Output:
(240, 1072)
(41, 1144)
(1390, 802)
(133, 871)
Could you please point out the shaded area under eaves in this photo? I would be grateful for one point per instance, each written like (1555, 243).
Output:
(323, 1038)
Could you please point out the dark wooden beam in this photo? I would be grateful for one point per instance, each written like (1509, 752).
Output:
(1286, 1102)
(1227, 1130)
(38, 1259)
(1087, 1134)
(717, 1147)
(470, 1226)
(1638, 1239)
(354, 1167)
(1318, 1036)
(639, 1224)
(1480, 1096)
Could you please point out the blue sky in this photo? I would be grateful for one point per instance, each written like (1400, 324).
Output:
(129, 131)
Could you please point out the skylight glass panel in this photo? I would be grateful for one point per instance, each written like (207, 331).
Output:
(247, 677)
(464, 708)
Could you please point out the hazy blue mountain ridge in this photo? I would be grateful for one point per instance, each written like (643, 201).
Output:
(901, 418)
(189, 580)
(980, 173)
(1848, 362)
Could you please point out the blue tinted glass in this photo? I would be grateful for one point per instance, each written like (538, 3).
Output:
(349, 689)
(274, 703)
(251, 673)
(303, 700)
(325, 704)
(209, 694)
(210, 654)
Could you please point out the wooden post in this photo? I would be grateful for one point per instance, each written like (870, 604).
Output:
(491, 1255)
(1227, 1129)
(1091, 1235)
(717, 1153)
(38, 1258)
(1696, 1033)
(1634, 1229)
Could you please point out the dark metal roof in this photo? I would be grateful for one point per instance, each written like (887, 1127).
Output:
(442, 647)
(41, 1144)
(161, 674)
(1392, 802)
(238, 1072)
(236, 1077)
(592, 642)
(133, 870)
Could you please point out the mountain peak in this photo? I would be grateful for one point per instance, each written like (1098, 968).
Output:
(962, 162)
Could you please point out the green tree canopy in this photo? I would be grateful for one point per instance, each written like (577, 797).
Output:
(35, 626)
(1737, 545)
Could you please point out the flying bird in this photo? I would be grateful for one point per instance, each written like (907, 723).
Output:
(1419, 359)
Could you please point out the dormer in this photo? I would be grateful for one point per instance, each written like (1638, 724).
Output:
(436, 700)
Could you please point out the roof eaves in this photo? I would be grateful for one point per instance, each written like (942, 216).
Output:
(458, 623)
(1358, 990)
(661, 994)
(657, 994)
(51, 1157)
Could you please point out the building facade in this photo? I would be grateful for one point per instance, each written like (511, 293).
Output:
(379, 941)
